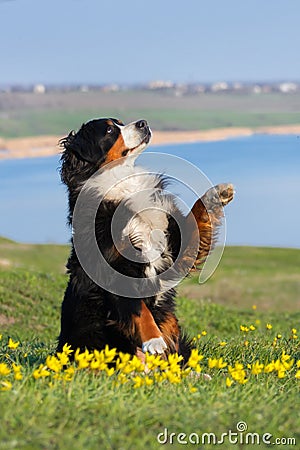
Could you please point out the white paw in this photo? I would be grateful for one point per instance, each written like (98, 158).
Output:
(154, 345)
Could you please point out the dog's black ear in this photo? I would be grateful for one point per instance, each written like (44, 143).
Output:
(83, 146)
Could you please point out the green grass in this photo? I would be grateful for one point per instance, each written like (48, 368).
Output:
(56, 113)
(91, 412)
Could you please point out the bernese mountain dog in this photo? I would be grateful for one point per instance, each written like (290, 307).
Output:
(153, 243)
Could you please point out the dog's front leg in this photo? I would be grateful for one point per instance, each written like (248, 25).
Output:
(149, 333)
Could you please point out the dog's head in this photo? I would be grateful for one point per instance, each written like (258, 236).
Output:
(99, 142)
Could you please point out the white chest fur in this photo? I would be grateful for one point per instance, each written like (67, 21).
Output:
(150, 206)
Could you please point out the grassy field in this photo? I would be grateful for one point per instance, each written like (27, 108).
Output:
(27, 114)
(90, 409)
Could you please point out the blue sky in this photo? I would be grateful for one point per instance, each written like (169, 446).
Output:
(96, 41)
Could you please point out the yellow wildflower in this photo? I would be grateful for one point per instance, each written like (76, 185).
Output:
(17, 372)
(1, 337)
(67, 349)
(41, 372)
(252, 328)
(238, 373)
(148, 381)
(53, 363)
(69, 373)
(4, 369)
(138, 382)
(269, 326)
(294, 331)
(109, 354)
(297, 375)
(110, 371)
(228, 382)
(204, 333)
(194, 360)
(244, 329)
(216, 363)
(254, 307)
(5, 385)
(298, 363)
(171, 377)
(12, 345)
(256, 368)
(192, 389)
(122, 378)
(222, 343)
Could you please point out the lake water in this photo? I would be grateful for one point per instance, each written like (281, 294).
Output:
(264, 169)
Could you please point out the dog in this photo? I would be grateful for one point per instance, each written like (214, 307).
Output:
(154, 243)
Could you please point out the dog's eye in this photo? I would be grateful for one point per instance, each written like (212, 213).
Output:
(125, 152)
(109, 130)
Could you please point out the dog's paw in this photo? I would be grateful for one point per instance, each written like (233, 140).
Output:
(217, 196)
(154, 346)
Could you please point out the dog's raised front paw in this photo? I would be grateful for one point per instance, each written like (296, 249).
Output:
(154, 345)
(217, 196)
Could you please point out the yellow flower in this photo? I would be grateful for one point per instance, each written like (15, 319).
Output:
(83, 359)
(294, 331)
(222, 344)
(63, 358)
(254, 307)
(109, 354)
(269, 326)
(41, 372)
(171, 377)
(67, 349)
(194, 360)
(256, 368)
(69, 373)
(297, 375)
(204, 333)
(53, 363)
(244, 329)
(4, 369)
(228, 382)
(252, 328)
(216, 363)
(298, 363)
(138, 382)
(12, 345)
(192, 389)
(279, 336)
(1, 337)
(6, 385)
(110, 371)
(17, 372)
(295, 336)
(246, 343)
(122, 378)
(238, 373)
(148, 381)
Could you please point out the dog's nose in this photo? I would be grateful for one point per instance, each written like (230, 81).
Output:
(141, 124)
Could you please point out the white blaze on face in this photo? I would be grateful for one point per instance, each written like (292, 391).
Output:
(133, 137)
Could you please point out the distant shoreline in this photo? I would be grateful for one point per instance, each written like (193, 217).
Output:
(42, 146)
